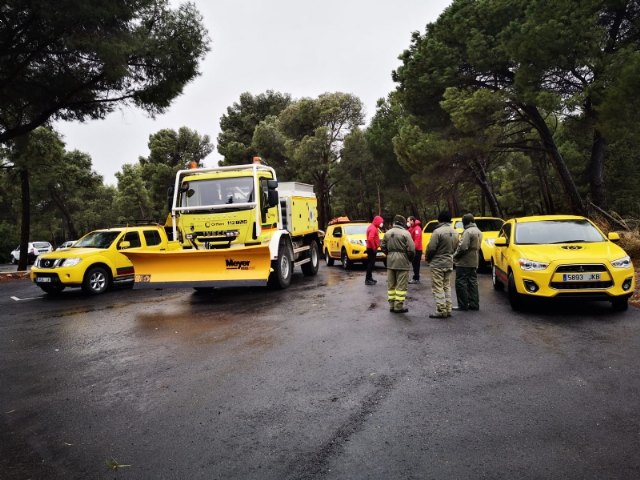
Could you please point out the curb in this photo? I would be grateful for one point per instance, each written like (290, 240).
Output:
(6, 276)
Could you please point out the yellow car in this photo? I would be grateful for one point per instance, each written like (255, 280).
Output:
(427, 230)
(489, 226)
(94, 262)
(560, 256)
(347, 242)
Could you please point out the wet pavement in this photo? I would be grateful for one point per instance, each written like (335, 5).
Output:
(317, 381)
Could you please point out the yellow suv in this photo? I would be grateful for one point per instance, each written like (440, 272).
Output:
(95, 262)
(347, 242)
(560, 256)
(489, 226)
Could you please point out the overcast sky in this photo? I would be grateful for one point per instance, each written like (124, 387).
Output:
(299, 47)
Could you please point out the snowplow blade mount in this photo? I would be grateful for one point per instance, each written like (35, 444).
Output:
(192, 268)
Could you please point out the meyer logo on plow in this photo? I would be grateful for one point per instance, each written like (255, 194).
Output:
(238, 264)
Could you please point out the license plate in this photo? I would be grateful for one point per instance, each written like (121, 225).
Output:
(379, 254)
(580, 277)
(43, 279)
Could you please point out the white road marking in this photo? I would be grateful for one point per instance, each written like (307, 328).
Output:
(23, 299)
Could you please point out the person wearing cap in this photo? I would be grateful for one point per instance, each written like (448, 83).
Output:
(439, 254)
(415, 230)
(466, 261)
(373, 243)
(398, 245)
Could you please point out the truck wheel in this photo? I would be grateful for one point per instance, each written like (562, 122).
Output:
(52, 289)
(310, 268)
(328, 259)
(96, 281)
(344, 258)
(280, 278)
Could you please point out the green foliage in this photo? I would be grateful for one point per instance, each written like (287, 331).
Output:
(133, 202)
(316, 130)
(169, 151)
(237, 127)
(79, 59)
(9, 239)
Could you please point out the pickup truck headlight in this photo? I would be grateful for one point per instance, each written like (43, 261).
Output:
(624, 262)
(356, 241)
(70, 262)
(532, 265)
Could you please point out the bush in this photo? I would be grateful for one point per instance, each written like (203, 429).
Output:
(630, 241)
(9, 239)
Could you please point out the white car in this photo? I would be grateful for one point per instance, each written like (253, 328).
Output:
(33, 250)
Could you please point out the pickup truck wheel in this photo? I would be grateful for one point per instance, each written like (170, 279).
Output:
(52, 289)
(328, 259)
(344, 258)
(310, 268)
(96, 281)
(280, 278)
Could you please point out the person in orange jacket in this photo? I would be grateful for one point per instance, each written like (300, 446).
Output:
(373, 243)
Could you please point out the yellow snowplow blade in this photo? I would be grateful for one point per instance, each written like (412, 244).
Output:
(207, 268)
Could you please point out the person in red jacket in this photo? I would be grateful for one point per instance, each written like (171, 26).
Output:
(415, 229)
(373, 243)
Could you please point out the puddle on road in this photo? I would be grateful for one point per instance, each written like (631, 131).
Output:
(209, 327)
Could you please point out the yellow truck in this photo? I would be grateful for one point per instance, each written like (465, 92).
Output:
(234, 226)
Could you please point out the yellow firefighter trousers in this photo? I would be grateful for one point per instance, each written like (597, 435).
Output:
(397, 281)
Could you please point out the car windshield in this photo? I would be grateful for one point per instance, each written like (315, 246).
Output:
(220, 191)
(355, 229)
(97, 240)
(483, 224)
(557, 231)
(489, 224)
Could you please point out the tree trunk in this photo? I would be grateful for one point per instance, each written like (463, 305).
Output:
(545, 191)
(26, 220)
(66, 215)
(482, 181)
(595, 171)
(577, 205)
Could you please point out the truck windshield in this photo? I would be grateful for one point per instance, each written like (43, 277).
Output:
(219, 191)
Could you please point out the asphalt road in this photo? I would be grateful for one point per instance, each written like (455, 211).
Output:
(319, 381)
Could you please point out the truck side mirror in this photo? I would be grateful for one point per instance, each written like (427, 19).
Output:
(273, 198)
(272, 195)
